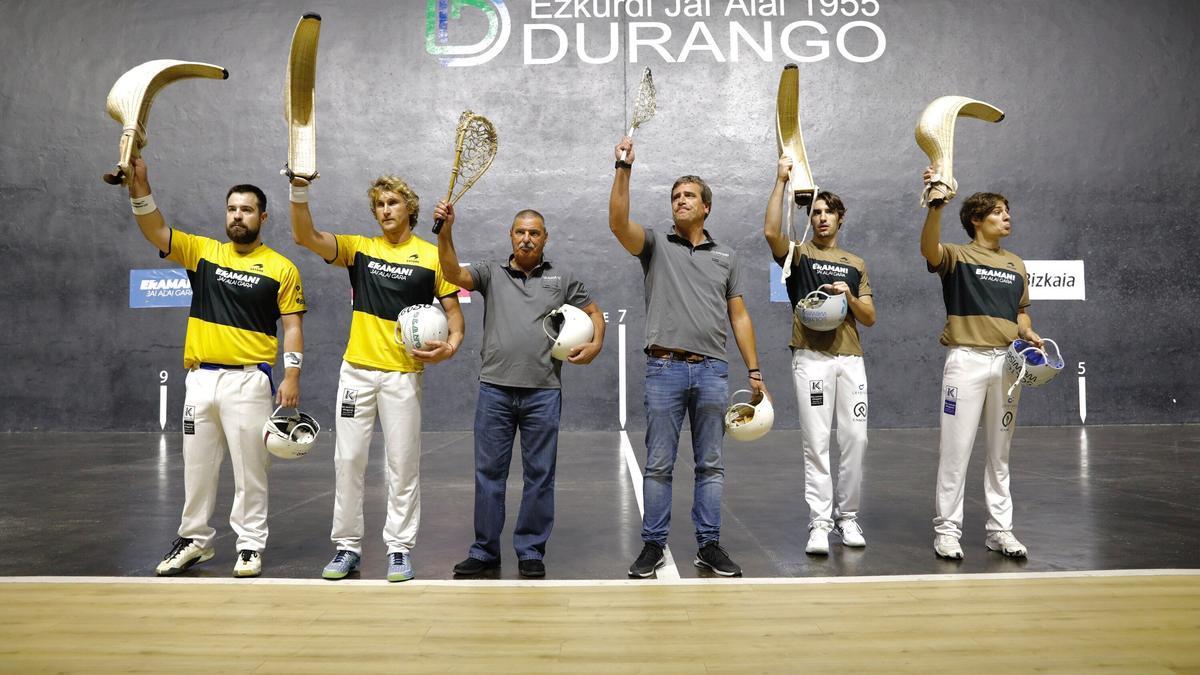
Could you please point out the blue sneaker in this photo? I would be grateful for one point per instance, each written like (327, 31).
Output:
(399, 567)
(344, 562)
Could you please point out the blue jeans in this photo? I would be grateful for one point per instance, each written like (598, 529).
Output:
(702, 391)
(499, 413)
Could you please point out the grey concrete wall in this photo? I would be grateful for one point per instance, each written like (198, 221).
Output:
(1098, 156)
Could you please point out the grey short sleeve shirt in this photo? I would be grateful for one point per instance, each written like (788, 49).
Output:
(516, 351)
(688, 290)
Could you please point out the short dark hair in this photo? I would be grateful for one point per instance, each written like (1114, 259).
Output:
(246, 188)
(529, 213)
(977, 207)
(705, 191)
(834, 203)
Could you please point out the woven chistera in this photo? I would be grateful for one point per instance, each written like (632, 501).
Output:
(935, 135)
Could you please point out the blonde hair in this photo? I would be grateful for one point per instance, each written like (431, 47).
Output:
(396, 184)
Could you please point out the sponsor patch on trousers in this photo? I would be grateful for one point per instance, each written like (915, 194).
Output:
(816, 393)
(951, 403)
(349, 398)
(189, 420)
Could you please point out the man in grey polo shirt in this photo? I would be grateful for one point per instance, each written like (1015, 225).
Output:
(693, 284)
(519, 386)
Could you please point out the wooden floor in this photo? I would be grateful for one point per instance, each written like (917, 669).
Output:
(1147, 623)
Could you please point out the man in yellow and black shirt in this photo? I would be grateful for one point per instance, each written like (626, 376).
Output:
(240, 290)
(388, 273)
(986, 293)
(827, 366)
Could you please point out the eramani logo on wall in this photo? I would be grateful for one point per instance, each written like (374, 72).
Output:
(717, 30)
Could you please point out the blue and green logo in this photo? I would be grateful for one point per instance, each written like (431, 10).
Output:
(437, 31)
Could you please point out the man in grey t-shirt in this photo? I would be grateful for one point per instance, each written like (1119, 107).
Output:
(519, 386)
(693, 284)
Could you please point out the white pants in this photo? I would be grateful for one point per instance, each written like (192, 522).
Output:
(826, 383)
(396, 398)
(225, 410)
(974, 389)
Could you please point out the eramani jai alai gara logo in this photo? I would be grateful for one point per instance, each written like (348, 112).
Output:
(437, 31)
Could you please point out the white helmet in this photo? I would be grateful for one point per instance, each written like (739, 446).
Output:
(1030, 365)
(576, 330)
(290, 436)
(821, 311)
(416, 325)
(750, 420)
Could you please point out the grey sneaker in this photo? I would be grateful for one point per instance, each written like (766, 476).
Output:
(184, 553)
(650, 559)
(344, 562)
(400, 567)
(713, 557)
(1006, 543)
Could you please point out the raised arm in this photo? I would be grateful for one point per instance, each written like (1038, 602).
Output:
(743, 334)
(931, 234)
(304, 232)
(773, 222)
(447, 256)
(149, 219)
(631, 235)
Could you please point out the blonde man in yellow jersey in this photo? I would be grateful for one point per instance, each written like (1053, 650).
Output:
(986, 293)
(388, 272)
(827, 366)
(240, 290)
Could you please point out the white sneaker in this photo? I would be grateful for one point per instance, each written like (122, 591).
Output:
(818, 540)
(184, 553)
(947, 547)
(1006, 543)
(249, 564)
(852, 534)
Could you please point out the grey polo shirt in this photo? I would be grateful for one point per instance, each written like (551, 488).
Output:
(688, 292)
(516, 351)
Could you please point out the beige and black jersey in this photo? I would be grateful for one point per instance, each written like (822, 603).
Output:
(983, 290)
(813, 267)
(237, 299)
(385, 278)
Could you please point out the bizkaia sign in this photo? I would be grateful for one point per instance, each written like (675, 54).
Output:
(1055, 279)
(598, 31)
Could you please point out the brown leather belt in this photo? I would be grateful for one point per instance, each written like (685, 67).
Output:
(660, 353)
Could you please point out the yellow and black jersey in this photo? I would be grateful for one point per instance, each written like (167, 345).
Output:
(984, 290)
(812, 268)
(385, 278)
(237, 300)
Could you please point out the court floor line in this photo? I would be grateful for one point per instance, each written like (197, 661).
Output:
(591, 583)
(669, 571)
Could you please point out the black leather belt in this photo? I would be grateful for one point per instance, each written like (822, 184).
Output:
(220, 366)
(689, 357)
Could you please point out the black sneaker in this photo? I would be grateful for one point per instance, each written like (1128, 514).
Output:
(472, 566)
(713, 557)
(532, 568)
(650, 559)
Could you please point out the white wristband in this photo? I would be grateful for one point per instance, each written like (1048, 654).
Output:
(143, 205)
(293, 360)
(297, 194)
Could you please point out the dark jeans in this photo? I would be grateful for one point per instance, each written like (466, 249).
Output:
(499, 413)
(701, 391)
